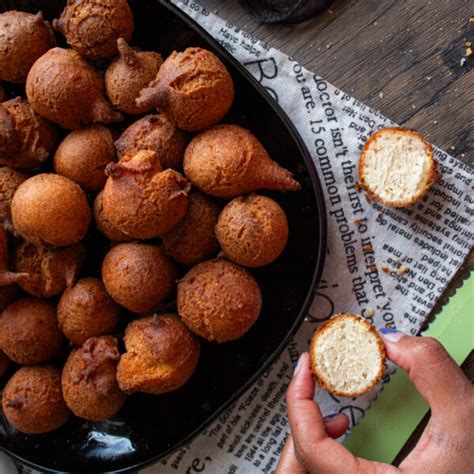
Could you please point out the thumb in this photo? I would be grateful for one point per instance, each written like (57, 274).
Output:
(431, 369)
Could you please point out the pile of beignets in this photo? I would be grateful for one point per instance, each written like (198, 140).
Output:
(172, 196)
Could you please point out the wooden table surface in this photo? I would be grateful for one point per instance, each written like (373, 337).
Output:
(403, 58)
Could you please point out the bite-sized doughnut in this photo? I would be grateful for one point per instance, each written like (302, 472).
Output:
(347, 355)
(161, 355)
(32, 400)
(26, 139)
(227, 160)
(252, 230)
(64, 88)
(219, 300)
(29, 332)
(192, 88)
(49, 270)
(89, 379)
(49, 209)
(83, 155)
(93, 27)
(140, 199)
(24, 38)
(138, 276)
(128, 74)
(397, 167)
(86, 310)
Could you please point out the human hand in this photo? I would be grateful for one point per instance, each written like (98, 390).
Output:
(446, 444)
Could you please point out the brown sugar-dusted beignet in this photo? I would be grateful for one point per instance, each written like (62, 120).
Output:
(32, 400)
(29, 332)
(26, 139)
(219, 300)
(24, 38)
(192, 88)
(140, 199)
(64, 88)
(50, 209)
(89, 379)
(128, 75)
(193, 239)
(156, 133)
(252, 230)
(49, 270)
(86, 310)
(92, 27)
(4, 363)
(83, 155)
(104, 225)
(161, 355)
(227, 160)
(138, 276)
(10, 180)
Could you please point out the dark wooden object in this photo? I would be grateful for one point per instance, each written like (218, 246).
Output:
(402, 58)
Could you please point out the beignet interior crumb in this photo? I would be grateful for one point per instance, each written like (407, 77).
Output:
(397, 167)
(347, 356)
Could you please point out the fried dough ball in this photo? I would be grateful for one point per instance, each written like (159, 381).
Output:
(10, 180)
(138, 276)
(161, 355)
(219, 300)
(83, 155)
(49, 271)
(50, 209)
(92, 27)
(26, 139)
(128, 75)
(140, 199)
(4, 363)
(29, 332)
(156, 133)
(252, 230)
(227, 160)
(193, 239)
(64, 88)
(89, 380)
(24, 38)
(86, 310)
(192, 88)
(104, 225)
(32, 400)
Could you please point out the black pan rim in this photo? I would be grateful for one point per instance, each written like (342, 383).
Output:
(322, 244)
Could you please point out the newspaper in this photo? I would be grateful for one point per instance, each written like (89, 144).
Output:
(390, 265)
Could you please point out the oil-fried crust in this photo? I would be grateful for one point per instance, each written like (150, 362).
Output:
(433, 172)
(313, 355)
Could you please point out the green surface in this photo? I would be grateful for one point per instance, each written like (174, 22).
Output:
(399, 408)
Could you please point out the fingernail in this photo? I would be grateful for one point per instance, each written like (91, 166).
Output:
(298, 364)
(390, 334)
